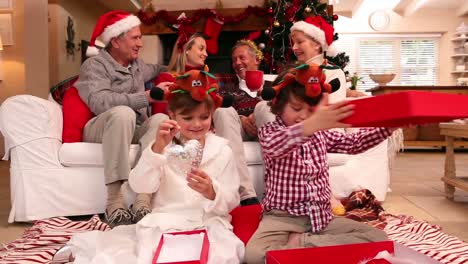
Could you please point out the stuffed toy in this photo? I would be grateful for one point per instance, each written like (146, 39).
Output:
(198, 84)
(312, 76)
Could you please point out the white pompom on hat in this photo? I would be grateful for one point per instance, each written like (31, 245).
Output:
(108, 26)
(318, 29)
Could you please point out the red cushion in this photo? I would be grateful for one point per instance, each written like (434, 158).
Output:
(75, 116)
(245, 220)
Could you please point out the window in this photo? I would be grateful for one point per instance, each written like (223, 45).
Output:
(413, 58)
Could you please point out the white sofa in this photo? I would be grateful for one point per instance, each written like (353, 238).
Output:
(49, 178)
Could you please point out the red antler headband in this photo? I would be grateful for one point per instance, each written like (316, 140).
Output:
(312, 77)
(198, 84)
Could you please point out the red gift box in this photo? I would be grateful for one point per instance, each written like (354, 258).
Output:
(407, 108)
(203, 259)
(343, 254)
(346, 254)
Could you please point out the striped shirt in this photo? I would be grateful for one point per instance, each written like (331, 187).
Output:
(296, 167)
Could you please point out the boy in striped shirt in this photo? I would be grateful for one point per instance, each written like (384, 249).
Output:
(296, 206)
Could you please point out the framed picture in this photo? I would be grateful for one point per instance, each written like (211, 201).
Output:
(6, 4)
(6, 29)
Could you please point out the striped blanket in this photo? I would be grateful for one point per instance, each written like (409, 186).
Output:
(426, 238)
(40, 242)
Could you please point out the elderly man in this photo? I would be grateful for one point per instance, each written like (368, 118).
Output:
(240, 122)
(111, 83)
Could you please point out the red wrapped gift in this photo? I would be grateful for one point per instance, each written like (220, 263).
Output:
(368, 253)
(407, 108)
(183, 253)
(343, 254)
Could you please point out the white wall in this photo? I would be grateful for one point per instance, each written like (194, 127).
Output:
(63, 65)
(442, 21)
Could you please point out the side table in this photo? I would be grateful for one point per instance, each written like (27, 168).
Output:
(451, 131)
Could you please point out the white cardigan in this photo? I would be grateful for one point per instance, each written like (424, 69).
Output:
(177, 206)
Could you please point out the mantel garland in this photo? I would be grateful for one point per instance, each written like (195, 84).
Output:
(151, 18)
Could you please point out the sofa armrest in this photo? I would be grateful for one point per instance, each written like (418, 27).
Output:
(24, 118)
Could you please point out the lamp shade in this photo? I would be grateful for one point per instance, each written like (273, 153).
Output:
(1, 43)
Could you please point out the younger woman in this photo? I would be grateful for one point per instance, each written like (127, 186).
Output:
(198, 199)
(185, 57)
(296, 205)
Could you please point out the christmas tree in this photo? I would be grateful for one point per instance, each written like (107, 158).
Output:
(275, 41)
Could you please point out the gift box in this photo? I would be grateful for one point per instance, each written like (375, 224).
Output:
(187, 247)
(349, 254)
(407, 108)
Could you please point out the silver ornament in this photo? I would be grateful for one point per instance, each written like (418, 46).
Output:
(261, 45)
(267, 31)
(182, 158)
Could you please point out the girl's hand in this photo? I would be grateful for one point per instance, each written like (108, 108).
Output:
(166, 131)
(200, 182)
(327, 116)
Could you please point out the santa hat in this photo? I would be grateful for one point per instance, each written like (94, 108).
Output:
(108, 26)
(317, 28)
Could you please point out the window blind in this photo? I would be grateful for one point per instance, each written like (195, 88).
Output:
(418, 62)
(414, 58)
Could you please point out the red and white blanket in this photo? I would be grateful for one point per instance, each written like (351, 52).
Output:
(40, 242)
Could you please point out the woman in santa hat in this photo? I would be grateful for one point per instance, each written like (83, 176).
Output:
(312, 39)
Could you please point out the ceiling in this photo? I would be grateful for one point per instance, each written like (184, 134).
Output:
(343, 7)
(403, 7)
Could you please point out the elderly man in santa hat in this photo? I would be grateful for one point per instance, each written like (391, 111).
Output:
(111, 83)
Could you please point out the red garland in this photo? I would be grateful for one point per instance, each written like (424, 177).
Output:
(200, 13)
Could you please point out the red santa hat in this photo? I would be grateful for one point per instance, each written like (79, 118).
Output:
(109, 26)
(317, 28)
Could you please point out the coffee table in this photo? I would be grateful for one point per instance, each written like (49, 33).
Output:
(451, 131)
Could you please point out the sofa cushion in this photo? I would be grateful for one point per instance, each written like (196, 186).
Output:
(253, 153)
(245, 220)
(83, 154)
(75, 116)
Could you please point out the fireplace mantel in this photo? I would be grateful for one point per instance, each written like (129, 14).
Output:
(252, 23)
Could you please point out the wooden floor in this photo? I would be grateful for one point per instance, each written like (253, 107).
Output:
(415, 183)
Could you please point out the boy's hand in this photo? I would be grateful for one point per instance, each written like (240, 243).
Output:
(200, 182)
(327, 116)
(166, 131)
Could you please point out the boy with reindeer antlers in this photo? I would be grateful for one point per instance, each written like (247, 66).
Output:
(296, 206)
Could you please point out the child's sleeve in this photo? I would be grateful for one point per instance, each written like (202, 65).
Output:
(226, 187)
(355, 143)
(277, 141)
(146, 176)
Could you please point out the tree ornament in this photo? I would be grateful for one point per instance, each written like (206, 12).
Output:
(276, 23)
(261, 45)
(270, 11)
(335, 17)
(267, 31)
(308, 9)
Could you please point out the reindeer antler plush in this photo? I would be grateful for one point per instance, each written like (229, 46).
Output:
(198, 84)
(312, 76)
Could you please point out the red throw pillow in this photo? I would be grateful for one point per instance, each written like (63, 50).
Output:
(245, 220)
(75, 116)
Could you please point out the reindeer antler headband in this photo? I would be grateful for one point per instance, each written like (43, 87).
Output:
(199, 84)
(311, 76)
